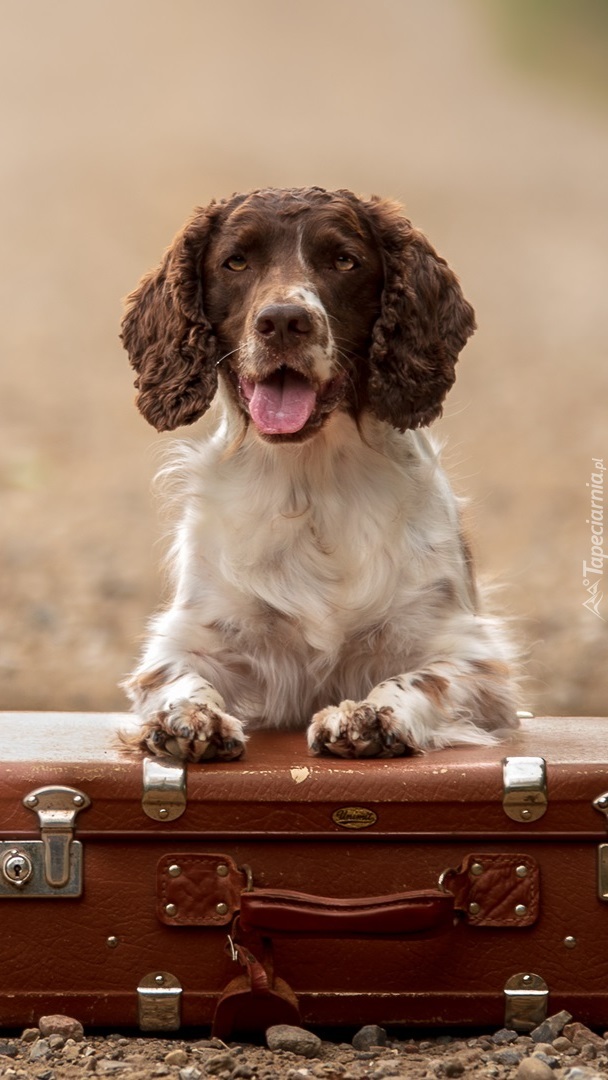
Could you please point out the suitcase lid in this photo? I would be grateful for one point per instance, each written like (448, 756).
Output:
(278, 789)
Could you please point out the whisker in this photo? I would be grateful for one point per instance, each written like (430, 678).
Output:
(226, 355)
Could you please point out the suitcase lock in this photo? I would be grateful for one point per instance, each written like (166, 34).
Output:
(51, 866)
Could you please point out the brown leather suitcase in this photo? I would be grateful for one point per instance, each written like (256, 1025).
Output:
(465, 887)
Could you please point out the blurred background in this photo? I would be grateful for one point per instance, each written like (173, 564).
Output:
(488, 119)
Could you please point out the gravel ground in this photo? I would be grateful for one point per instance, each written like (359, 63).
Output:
(564, 1051)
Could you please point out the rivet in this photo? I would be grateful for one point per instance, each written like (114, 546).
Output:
(525, 814)
(521, 909)
(526, 978)
(78, 800)
(159, 979)
(477, 869)
(163, 812)
(175, 870)
(474, 908)
(221, 908)
(170, 909)
(602, 801)
(570, 942)
(32, 800)
(112, 942)
(222, 870)
(521, 871)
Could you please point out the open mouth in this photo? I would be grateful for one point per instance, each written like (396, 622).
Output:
(282, 404)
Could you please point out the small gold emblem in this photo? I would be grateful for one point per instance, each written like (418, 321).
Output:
(354, 817)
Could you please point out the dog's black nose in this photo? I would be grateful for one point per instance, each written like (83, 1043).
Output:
(283, 324)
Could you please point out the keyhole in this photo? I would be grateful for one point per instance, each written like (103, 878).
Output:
(17, 868)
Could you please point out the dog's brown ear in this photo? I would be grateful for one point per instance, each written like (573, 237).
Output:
(167, 336)
(423, 325)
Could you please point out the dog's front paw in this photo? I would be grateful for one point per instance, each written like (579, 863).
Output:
(194, 731)
(357, 729)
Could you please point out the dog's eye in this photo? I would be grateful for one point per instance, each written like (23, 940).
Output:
(345, 262)
(236, 262)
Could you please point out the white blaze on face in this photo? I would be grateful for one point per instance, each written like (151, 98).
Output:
(320, 355)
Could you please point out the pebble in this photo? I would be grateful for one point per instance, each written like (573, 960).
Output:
(579, 1072)
(549, 1059)
(66, 1026)
(551, 1027)
(219, 1063)
(533, 1068)
(8, 1049)
(176, 1057)
(295, 1039)
(561, 1044)
(507, 1057)
(30, 1035)
(580, 1035)
(453, 1067)
(190, 1073)
(368, 1036)
(504, 1037)
(71, 1051)
(40, 1050)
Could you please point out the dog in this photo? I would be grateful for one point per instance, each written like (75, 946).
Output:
(321, 576)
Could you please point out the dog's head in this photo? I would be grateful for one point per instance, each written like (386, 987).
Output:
(303, 301)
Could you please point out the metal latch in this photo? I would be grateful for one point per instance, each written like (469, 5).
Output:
(159, 997)
(526, 1001)
(601, 804)
(51, 866)
(164, 789)
(524, 788)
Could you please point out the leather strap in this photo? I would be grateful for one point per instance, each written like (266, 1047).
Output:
(276, 911)
(255, 1000)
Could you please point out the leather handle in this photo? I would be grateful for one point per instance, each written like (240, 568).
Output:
(275, 911)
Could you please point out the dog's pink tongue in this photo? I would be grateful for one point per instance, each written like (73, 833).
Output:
(281, 404)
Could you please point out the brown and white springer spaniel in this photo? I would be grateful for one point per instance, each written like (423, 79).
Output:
(320, 575)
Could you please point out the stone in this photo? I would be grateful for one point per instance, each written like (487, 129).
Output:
(45, 1074)
(71, 1052)
(368, 1036)
(40, 1050)
(8, 1049)
(580, 1035)
(549, 1059)
(504, 1037)
(30, 1035)
(56, 1042)
(533, 1068)
(580, 1072)
(176, 1057)
(219, 1063)
(66, 1026)
(507, 1057)
(190, 1073)
(108, 1067)
(561, 1044)
(551, 1027)
(453, 1067)
(295, 1039)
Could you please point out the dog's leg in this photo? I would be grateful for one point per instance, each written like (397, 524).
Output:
(451, 701)
(181, 711)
